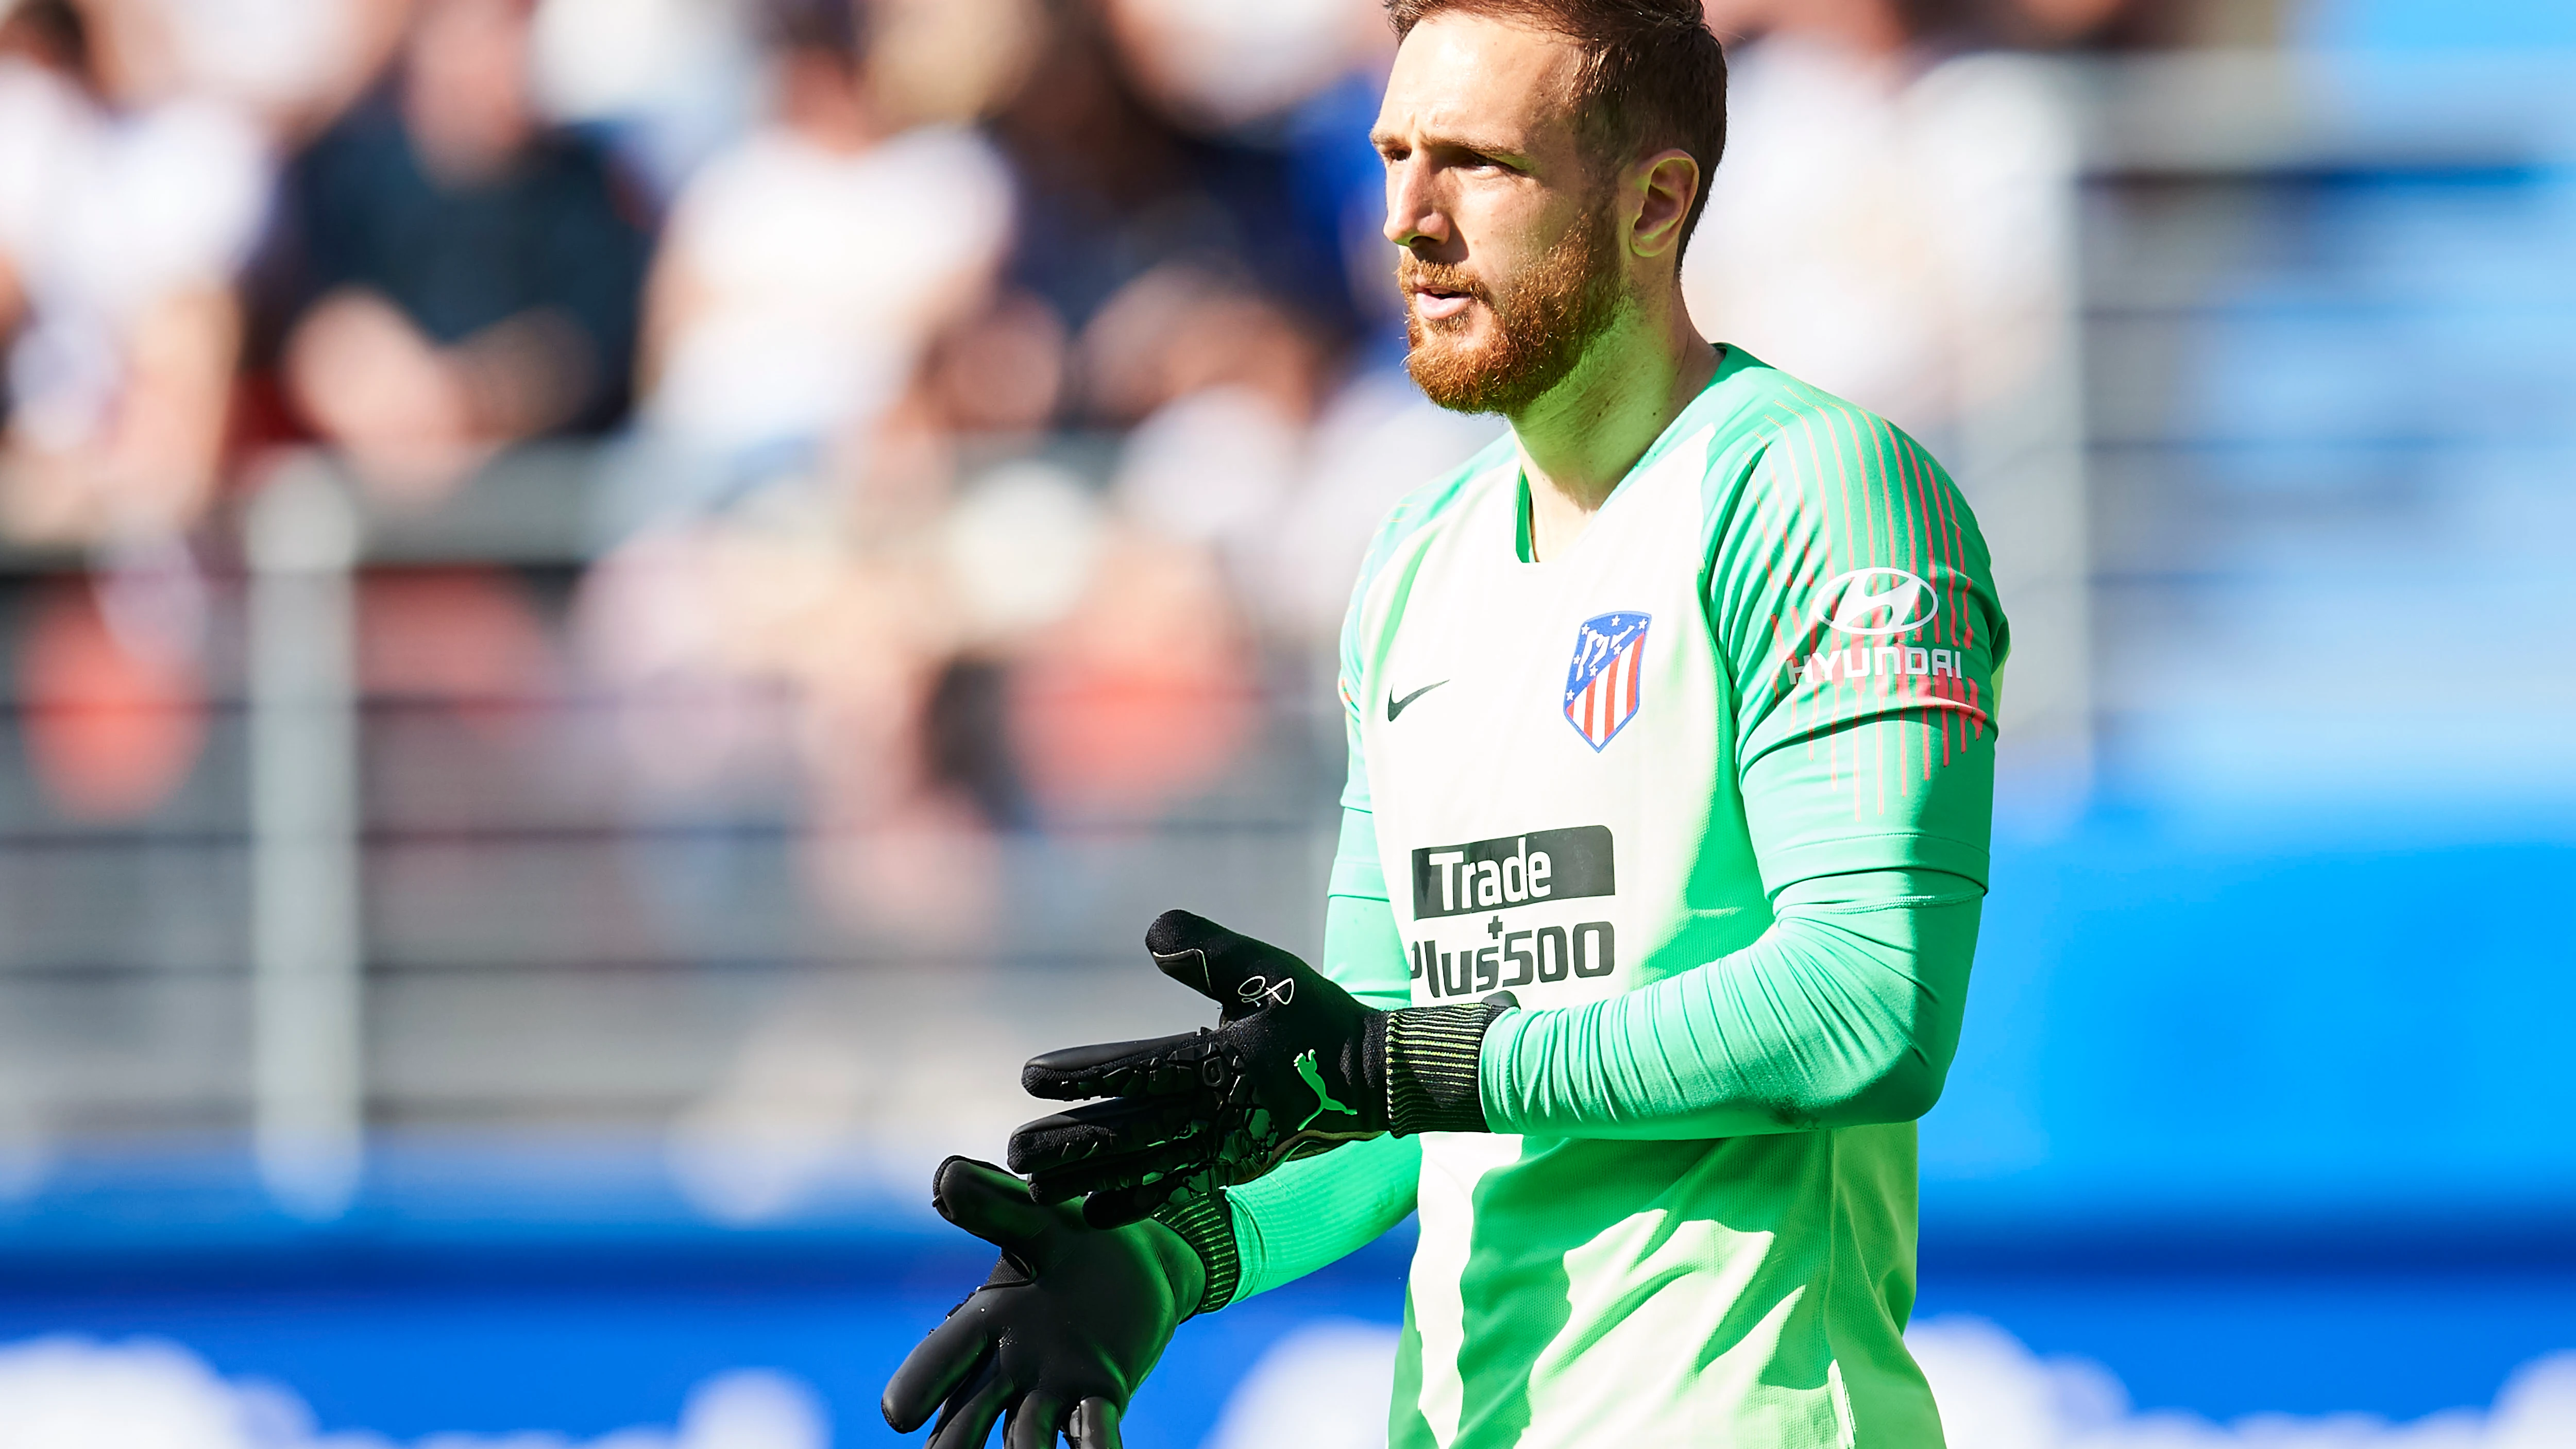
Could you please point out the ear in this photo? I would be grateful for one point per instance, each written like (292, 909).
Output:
(1667, 183)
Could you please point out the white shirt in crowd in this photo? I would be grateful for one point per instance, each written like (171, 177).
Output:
(816, 278)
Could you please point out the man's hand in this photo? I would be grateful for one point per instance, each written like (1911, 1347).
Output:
(1056, 1340)
(1294, 1067)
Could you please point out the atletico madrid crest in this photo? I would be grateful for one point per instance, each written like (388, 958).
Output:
(1602, 688)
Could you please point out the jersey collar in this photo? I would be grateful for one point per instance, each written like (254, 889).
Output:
(1701, 411)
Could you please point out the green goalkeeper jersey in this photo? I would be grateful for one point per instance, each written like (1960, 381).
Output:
(1757, 692)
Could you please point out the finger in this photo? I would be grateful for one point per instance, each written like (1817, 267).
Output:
(1034, 1422)
(1117, 1207)
(1133, 1169)
(968, 1421)
(990, 1203)
(1198, 953)
(1094, 1425)
(1240, 974)
(1096, 1129)
(935, 1367)
(1152, 1066)
(1115, 1128)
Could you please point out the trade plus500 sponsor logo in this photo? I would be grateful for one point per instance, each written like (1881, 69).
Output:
(1489, 877)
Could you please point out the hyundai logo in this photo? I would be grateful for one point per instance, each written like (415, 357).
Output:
(1876, 602)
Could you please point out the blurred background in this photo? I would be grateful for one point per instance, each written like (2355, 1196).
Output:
(610, 608)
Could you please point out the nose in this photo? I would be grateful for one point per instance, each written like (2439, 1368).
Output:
(1414, 215)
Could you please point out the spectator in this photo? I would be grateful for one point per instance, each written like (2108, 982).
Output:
(120, 232)
(1903, 213)
(807, 270)
(1112, 187)
(112, 721)
(1220, 384)
(1892, 27)
(821, 285)
(465, 277)
(293, 64)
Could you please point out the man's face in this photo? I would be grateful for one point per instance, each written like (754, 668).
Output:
(466, 94)
(1512, 264)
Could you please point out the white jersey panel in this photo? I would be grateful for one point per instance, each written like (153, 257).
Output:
(1544, 742)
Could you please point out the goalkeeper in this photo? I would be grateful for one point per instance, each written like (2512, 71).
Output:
(1663, 849)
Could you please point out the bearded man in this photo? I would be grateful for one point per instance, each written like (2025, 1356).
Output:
(1672, 714)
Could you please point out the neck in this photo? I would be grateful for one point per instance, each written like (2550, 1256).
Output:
(1583, 436)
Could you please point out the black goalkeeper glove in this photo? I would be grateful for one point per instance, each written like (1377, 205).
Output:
(1059, 1337)
(1294, 1067)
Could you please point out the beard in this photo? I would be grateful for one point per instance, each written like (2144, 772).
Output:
(1542, 325)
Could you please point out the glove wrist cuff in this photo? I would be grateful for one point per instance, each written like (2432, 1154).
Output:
(1205, 1223)
(1433, 1055)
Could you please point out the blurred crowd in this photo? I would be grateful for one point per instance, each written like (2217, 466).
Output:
(986, 400)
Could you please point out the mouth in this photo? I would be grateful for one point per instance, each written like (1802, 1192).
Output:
(1439, 304)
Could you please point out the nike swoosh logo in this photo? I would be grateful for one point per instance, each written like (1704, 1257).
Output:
(1395, 706)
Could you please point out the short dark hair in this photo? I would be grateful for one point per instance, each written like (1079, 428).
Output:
(51, 32)
(833, 28)
(1654, 76)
